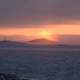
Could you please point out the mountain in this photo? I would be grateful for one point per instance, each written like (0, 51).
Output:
(42, 42)
(12, 44)
(29, 44)
(36, 43)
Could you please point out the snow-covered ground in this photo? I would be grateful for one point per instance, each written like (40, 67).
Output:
(41, 64)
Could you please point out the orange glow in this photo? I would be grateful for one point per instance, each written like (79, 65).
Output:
(51, 32)
(48, 35)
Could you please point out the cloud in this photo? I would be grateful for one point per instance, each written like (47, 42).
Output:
(16, 12)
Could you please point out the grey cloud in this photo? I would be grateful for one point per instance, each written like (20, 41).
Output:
(38, 11)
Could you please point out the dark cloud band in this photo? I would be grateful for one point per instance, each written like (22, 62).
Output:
(39, 11)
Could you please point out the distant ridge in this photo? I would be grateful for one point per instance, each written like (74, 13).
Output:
(37, 43)
(12, 44)
(42, 41)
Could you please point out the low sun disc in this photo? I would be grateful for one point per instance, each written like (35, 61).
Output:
(48, 35)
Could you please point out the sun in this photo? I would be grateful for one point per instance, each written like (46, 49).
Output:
(48, 35)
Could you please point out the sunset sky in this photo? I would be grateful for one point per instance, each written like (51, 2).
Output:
(30, 19)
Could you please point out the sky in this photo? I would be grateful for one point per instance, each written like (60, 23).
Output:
(32, 17)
